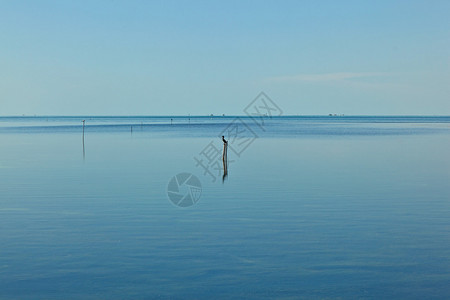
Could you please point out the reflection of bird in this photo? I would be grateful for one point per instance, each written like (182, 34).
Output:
(224, 140)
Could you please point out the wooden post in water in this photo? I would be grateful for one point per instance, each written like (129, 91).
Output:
(225, 158)
(224, 155)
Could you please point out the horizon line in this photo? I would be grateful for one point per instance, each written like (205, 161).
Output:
(222, 116)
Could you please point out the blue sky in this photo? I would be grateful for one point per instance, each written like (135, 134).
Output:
(203, 57)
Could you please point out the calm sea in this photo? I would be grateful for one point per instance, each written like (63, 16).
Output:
(311, 207)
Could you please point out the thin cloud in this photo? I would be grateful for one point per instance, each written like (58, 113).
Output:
(324, 77)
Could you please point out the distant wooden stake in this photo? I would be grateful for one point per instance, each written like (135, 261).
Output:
(84, 153)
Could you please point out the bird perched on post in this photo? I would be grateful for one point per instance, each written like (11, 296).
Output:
(224, 140)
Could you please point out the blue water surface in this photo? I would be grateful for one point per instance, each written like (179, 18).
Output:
(313, 207)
